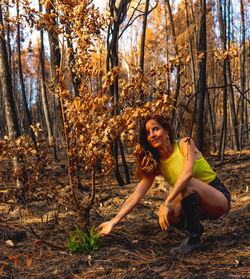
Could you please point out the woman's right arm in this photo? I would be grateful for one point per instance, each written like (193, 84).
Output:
(129, 204)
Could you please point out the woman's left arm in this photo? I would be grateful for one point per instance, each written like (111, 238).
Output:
(187, 149)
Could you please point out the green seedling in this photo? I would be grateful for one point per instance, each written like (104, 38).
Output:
(83, 243)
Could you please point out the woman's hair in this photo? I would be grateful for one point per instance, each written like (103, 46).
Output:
(147, 149)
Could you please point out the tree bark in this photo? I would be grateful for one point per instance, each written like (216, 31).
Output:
(25, 104)
(192, 68)
(8, 99)
(234, 128)
(143, 36)
(243, 76)
(202, 77)
(211, 122)
(119, 13)
(190, 49)
(8, 37)
(222, 26)
(178, 79)
(167, 51)
(55, 61)
(6, 83)
(44, 94)
(125, 166)
(75, 79)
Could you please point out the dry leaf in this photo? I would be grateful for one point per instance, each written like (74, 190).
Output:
(41, 252)
(3, 265)
(15, 259)
(29, 260)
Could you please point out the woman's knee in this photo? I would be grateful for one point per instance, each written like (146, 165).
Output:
(189, 188)
(174, 216)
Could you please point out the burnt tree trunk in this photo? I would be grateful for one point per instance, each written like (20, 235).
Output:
(7, 93)
(20, 70)
(75, 79)
(202, 76)
(44, 98)
(234, 128)
(55, 61)
(243, 77)
(222, 25)
(119, 13)
(178, 77)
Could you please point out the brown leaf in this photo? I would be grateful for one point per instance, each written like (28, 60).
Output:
(29, 260)
(3, 265)
(46, 3)
(41, 252)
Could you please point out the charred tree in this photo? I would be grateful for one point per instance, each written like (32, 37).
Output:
(143, 36)
(20, 70)
(202, 75)
(119, 13)
(178, 77)
(7, 93)
(222, 25)
(243, 77)
(55, 61)
(75, 79)
(44, 98)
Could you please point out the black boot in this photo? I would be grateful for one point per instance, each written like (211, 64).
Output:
(193, 227)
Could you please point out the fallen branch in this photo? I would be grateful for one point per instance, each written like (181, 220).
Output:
(45, 242)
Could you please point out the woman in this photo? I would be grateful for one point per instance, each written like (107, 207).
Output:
(196, 194)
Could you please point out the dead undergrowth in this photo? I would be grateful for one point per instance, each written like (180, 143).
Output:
(137, 248)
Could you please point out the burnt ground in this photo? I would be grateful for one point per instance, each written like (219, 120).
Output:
(136, 248)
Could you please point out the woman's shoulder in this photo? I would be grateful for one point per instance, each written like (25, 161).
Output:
(188, 141)
(181, 142)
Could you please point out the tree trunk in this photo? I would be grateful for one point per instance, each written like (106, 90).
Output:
(8, 37)
(143, 36)
(234, 126)
(25, 104)
(75, 79)
(211, 122)
(44, 94)
(190, 49)
(192, 69)
(178, 80)
(55, 61)
(243, 76)
(112, 61)
(167, 51)
(222, 25)
(202, 77)
(8, 100)
(125, 166)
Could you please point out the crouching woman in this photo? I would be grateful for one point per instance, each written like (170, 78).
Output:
(197, 193)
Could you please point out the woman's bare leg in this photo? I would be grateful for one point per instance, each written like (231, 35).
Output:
(212, 202)
(175, 214)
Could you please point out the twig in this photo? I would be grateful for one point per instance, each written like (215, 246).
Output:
(45, 242)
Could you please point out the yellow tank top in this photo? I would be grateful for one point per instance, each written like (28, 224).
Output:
(172, 167)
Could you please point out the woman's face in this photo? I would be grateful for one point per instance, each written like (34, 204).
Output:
(157, 136)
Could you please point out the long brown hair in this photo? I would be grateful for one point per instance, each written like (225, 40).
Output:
(147, 149)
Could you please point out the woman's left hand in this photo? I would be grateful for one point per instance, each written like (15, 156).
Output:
(163, 217)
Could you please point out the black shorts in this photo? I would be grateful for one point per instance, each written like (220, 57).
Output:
(217, 184)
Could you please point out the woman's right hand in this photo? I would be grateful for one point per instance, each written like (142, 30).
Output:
(106, 228)
(163, 217)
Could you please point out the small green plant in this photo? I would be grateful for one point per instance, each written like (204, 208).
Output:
(80, 242)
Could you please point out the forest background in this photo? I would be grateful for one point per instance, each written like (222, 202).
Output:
(75, 81)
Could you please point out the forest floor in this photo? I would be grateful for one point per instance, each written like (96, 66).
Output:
(137, 247)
